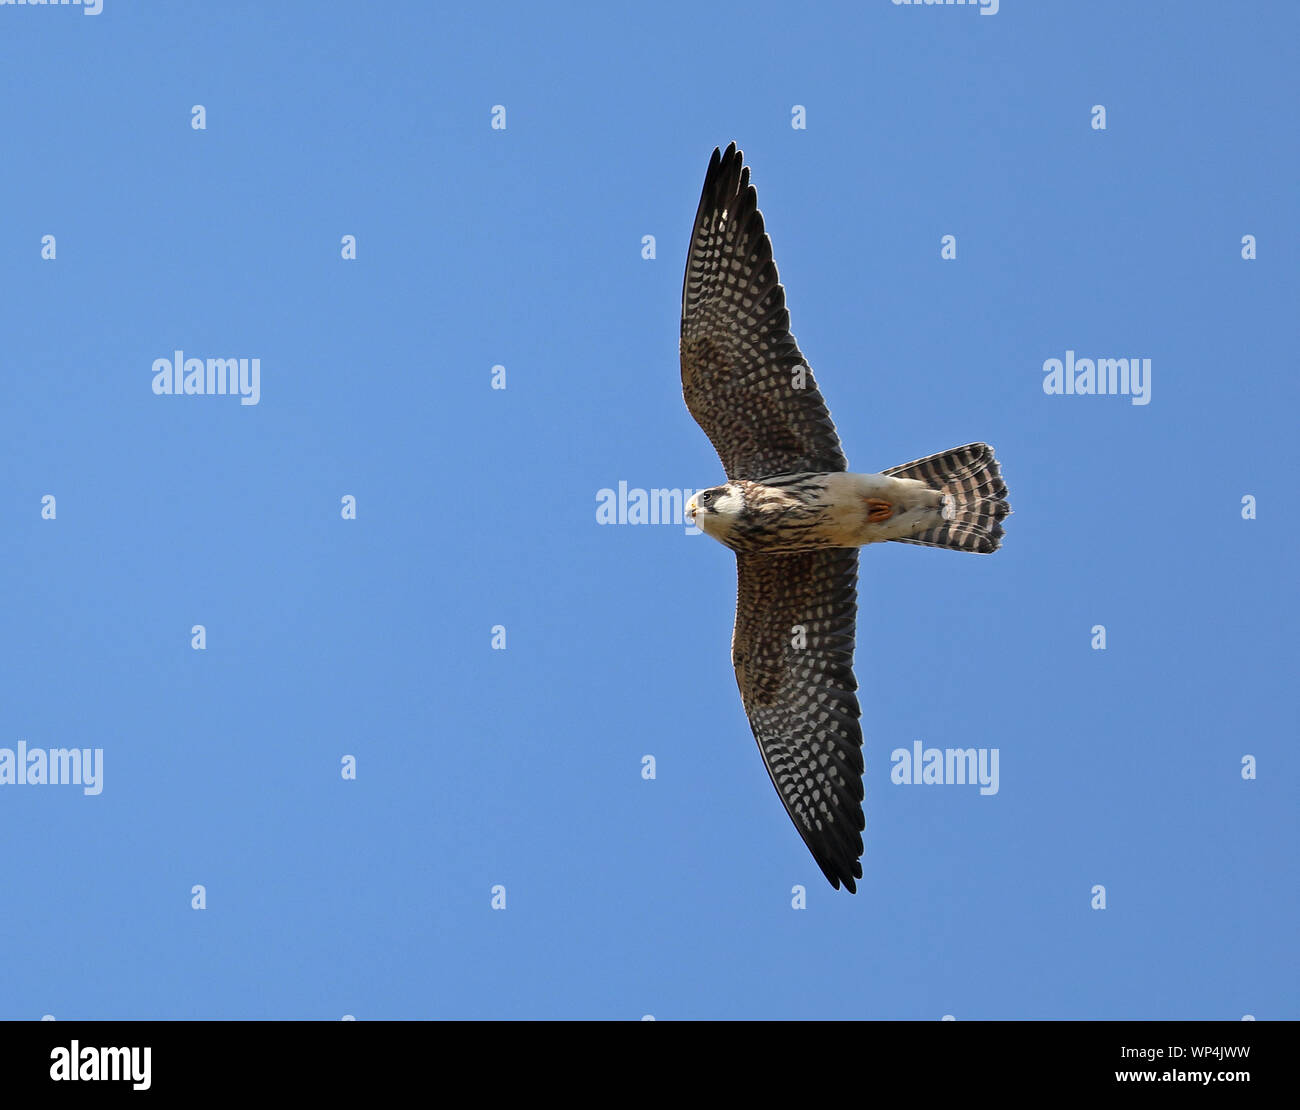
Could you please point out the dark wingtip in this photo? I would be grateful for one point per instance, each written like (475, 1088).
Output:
(728, 158)
(836, 875)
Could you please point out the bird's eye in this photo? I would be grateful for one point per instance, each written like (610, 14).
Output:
(705, 498)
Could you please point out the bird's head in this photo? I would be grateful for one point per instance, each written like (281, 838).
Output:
(717, 511)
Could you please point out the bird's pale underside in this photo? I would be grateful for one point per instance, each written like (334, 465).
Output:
(795, 517)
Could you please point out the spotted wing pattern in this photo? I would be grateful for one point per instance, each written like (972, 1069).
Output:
(743, 376)
(793, 652)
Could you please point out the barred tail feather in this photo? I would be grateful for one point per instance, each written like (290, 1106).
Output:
(974, 503)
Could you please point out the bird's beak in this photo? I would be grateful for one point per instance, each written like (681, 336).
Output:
(691, 510)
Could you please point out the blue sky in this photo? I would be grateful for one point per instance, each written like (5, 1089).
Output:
(478, 247)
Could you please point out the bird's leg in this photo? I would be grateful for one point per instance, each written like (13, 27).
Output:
(878, 511)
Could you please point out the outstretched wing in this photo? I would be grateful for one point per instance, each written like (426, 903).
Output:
(793, 652)
(743, 376)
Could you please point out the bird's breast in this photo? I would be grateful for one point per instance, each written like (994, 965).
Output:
(804, 512)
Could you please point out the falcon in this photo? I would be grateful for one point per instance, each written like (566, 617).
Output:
(795, 516)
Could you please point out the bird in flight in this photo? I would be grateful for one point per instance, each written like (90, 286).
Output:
(795, 516)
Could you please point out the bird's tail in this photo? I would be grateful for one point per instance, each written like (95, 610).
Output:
(974, 498)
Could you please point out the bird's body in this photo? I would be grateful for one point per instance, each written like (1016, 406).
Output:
(795, 516)
(805, 512)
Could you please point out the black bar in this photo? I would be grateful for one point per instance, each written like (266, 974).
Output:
(361, 1058)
